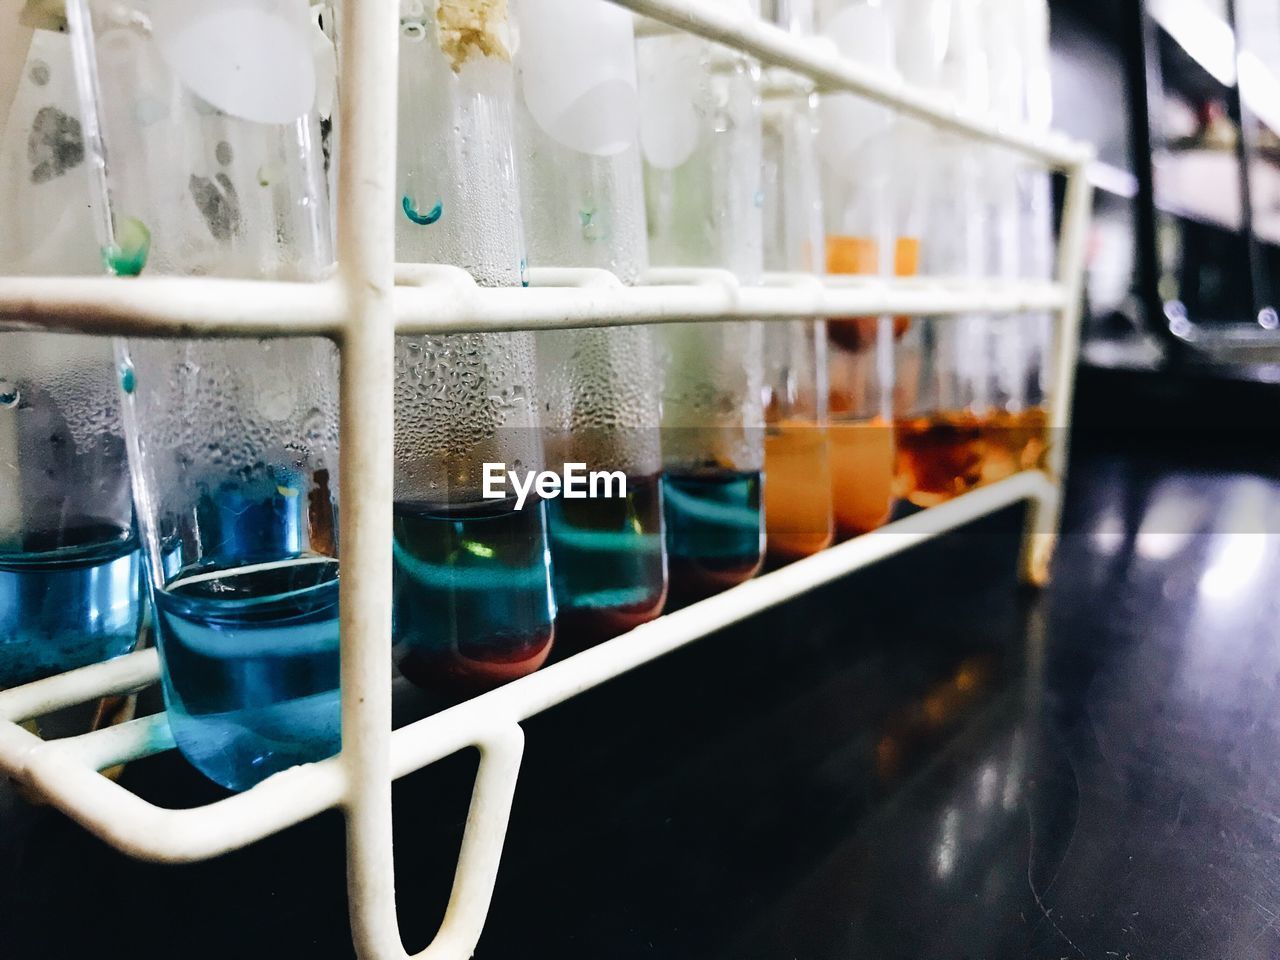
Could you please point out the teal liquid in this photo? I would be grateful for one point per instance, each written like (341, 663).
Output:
(715, 531)
(473, 606)
(68, 598)
(608, 563)
(250, 656)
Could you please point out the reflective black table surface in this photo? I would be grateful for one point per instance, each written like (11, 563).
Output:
(921, 761)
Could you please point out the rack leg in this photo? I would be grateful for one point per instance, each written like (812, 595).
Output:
(371, 884)
(482, 844)
(1044, 518)
(1040, 538)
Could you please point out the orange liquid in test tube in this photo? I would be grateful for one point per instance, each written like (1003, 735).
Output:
(797, 491)
(906, 263)
(860, 256)
(862, 455)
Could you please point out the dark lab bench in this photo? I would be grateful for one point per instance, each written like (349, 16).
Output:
(921, 761)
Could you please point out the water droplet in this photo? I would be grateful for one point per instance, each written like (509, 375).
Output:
(128, 379)
(313, 427)
(524, 272)
(9, 394)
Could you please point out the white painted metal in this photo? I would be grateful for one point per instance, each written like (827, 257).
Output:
(446, 300)
(361, 307)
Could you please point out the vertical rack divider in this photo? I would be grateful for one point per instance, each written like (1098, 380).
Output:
(369, 31)
(1044, 517)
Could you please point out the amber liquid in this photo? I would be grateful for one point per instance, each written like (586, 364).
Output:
(939, 457)
(1013, 442)
(797, 491)
(943, 456)
(862, 464)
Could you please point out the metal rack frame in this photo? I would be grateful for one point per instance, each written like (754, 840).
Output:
(361, 308)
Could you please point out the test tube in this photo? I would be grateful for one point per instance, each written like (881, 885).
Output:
(473, 601)
(798, 494)
(1001, 186)
(941, 393)
(210, 164)
(1030, 438)
(855, 148)
(700, 131)
(70, 563)
(582, 193)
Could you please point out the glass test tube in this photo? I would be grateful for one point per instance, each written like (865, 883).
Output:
(473, 601)
(582, 193)
(1031, 440)
(940, 397)
(854, 145)
(70, 564)
(700, 135)
(1004, 175)
(798, 493)
(212, 167)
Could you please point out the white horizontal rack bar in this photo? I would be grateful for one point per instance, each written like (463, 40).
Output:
(362, 307)
(818, 60)
(439, 299)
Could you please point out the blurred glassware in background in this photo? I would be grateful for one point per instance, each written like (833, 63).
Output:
(473, 605)
(798, 493)
(210, 165)
(582, 193)
(700, 130)
(70, 565)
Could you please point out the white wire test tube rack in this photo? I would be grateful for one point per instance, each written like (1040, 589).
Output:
(361, 308)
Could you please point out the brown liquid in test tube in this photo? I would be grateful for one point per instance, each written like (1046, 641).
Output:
(939, 457)
(945, 455)
(1014, 441)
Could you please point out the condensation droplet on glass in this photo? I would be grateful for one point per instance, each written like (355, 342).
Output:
(313, 427)
(128, 379)
(9, 394)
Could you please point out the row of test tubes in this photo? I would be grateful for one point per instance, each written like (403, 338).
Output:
(192, 484)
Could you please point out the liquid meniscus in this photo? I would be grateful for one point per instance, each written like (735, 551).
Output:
(251, 666)
(715, 531)
(68, 598)
(608, 564)
(797, 496)
(473, 605)
(862, 465)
